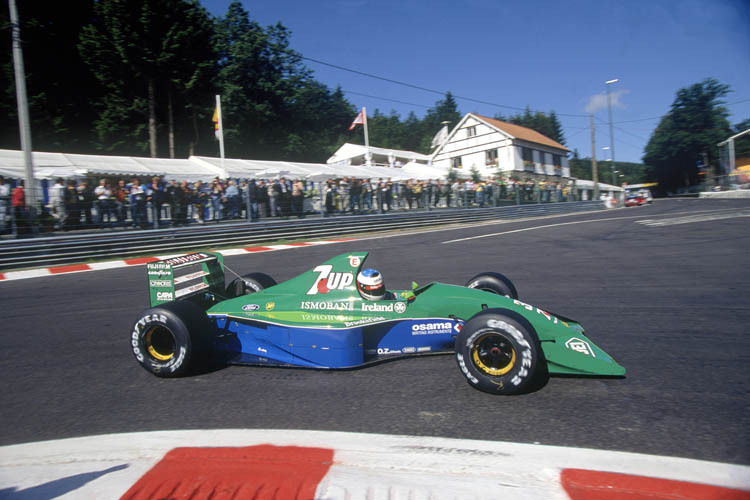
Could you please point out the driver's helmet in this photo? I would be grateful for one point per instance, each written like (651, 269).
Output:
(370, 284)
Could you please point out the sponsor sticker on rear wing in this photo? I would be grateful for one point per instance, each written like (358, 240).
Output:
(178, 278)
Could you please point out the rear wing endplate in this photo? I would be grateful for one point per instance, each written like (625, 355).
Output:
(201, 272)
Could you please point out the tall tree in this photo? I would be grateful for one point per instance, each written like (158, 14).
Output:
(60, 88)
(696, 122)
(546, 124)
(141, 52)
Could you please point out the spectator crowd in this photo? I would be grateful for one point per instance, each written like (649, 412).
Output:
(118, 202)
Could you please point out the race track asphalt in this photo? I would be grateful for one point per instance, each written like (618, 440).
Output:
(668, 302)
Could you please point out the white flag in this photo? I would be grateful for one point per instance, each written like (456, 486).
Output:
(440, 137)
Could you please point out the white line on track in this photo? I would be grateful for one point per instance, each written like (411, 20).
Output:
(691, 218)
(579, 222)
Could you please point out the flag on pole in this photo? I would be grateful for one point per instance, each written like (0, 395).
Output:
(359, 120)
(217, 133)
(440, 137)
(219, 129)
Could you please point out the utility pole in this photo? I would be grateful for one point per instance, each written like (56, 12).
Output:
(23, 110)
(594, 168)
(611, 130)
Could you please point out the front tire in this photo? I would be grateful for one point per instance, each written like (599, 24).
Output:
(499, 353)
(493, 283)
(172, 339)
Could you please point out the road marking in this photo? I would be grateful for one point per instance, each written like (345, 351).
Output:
(566, 224)
(691, 218)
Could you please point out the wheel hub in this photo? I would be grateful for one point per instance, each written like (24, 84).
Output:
(494, 354)
(160, 343)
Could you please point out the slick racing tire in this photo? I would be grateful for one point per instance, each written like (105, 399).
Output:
(498, 352)
(493, 283)
(249, 283)
(172, 339)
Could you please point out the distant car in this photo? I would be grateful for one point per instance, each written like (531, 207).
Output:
(635, 200)
(321, 319)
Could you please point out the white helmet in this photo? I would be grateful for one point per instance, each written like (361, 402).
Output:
(370, 284)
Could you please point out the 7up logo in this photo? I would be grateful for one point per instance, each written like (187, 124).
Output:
(327, 280)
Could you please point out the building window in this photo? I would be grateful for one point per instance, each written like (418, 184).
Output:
(456, 162)
(557, 161)
(527, 154)
(541, 157)
(490, 157)
(471, 131)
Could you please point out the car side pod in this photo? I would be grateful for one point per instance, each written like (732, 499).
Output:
(577, 355)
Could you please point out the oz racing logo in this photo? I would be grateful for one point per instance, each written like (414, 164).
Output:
(578, 345)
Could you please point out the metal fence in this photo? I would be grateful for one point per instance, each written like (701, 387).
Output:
(61, 248)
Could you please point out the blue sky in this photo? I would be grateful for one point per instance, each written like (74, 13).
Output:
(548, 55)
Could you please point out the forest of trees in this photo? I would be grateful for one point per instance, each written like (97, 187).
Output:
(133, 77)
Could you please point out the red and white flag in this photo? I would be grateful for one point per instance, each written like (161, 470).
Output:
(359, 120)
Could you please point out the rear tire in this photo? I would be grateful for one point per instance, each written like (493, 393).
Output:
(499, 353)
(493, 283)
(172, 339)
(249, 283)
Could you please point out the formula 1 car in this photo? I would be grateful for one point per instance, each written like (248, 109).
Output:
(320, 320)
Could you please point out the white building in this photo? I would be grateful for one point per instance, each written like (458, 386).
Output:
(356, 154)
(494, 147)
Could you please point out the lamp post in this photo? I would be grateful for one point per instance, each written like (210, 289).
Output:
(611, 129)
(611, 165)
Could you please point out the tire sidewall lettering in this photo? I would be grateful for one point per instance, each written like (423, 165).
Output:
(140, 350)
(520, 374)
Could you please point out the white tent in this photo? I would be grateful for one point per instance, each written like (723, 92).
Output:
(420, 171)
(356, 153)
(53, 165)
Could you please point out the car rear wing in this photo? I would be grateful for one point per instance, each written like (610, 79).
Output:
(181, 277)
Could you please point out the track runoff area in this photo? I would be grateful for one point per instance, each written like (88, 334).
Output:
(269, 463)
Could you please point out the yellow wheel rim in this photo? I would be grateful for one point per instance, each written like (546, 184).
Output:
(160, 343)
(494, 355)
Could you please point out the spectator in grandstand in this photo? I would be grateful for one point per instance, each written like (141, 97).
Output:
(138, 196)
(263, 201)
(121, 200)
(56, 206)
(104, 204)
(18, 201)
(298, 198)
(330, 198)
(72, 206)
(367, 189)
(251, 191)
(155, 196)
(216, 195)
(4, 204)
(199, 199)
(232, 196)
(86, 199)
(344, 193)
(181, 198)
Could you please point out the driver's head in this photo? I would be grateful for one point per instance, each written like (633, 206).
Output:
(370, 284)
